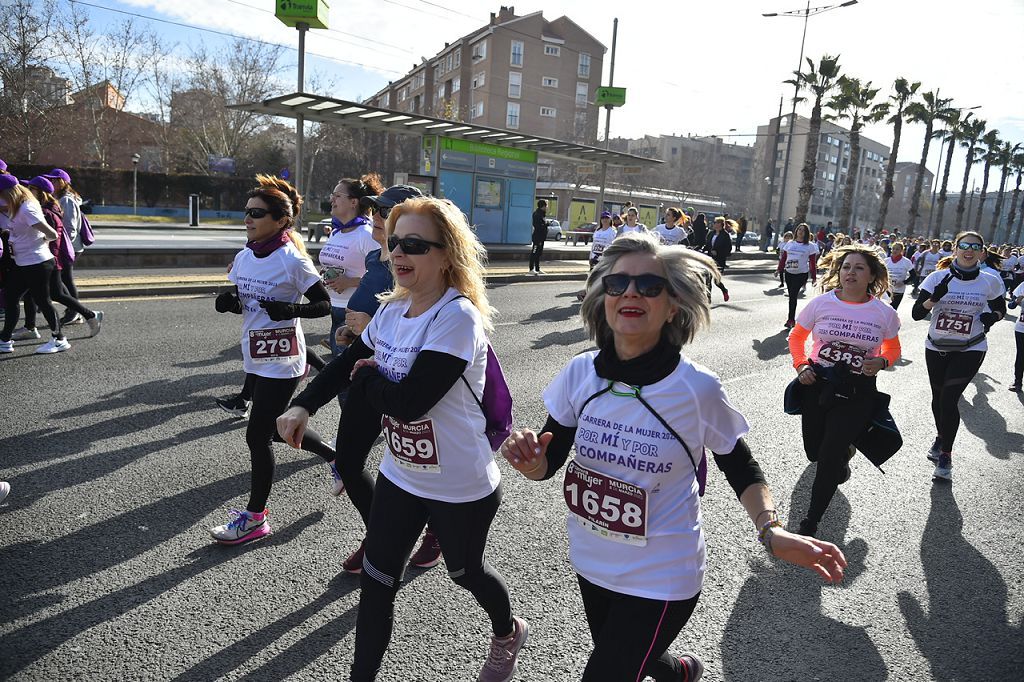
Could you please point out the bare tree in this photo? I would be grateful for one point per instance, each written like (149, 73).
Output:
(119, 58)
(26, 43)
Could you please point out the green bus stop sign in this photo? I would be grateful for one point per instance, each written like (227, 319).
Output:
(610, 97)
(312, 12)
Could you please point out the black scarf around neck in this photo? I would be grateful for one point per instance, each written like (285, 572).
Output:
(643, 370)
(963, 273)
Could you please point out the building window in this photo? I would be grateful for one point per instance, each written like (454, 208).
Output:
(440, 92)
(448, 62)
(512, 116)
(549, 82)
(548, 112)
(480, 50)
(515, 85)
(583, 71)
(418, 80)
(478, 110)
(582, 94)
(479, 79)
(385, 100)
(516, 55)
(553, 50)
(457, 59)
(456, 84)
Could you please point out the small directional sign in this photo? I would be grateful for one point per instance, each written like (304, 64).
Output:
(610, 97)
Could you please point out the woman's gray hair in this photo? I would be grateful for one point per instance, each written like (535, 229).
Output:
(688, 274)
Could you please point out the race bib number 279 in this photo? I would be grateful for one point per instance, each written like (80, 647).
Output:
(273, 345)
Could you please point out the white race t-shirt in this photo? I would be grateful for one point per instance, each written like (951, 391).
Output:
(346, 253)
(670, 235)
(626, 229)
(1017, 293)
(985, 267)
(798, 256)
(929, 260)
(635, 479)
(444, 455)
(602, 239)
(28, 245)
(898, 271)
(1009, 266)
(956, 318)
(847, 332)
(276, 350)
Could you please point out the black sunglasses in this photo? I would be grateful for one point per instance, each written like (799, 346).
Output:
(256, 212)
(411, 246)
(647, 286)
(384, 211)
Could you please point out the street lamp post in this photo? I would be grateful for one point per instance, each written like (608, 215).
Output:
(135, 183)
(806, 13)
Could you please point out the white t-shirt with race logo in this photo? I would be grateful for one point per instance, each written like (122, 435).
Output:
(956, 318)
(1017, 293)
(602, 239)
(346, 253)
(28, 245)
(798, 256)
(276, 350)
(670, 235)
(626, 229)
(444, 455)
(634, 519)
(847, 332)
(929, 260)
(898, 271)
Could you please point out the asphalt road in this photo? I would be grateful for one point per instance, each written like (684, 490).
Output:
(119, 463)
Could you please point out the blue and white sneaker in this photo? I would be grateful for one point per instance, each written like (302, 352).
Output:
(337, 486)
(6, 346)
(241, 528)
(944, 467)
(934, 450)
(54, 345)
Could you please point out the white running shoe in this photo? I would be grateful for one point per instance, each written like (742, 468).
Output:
(76, 319)
(337, 485)
(241, 528)
(6, 346)
(5, 490)
(94, 323)
(54, 345)
(25, 333)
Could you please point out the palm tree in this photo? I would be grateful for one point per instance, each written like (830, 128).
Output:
(954, 134)
(820, 81)
(903, 92)
(1004, 158)
(991, 142)
(933, 108)
(972, 132)
(854, 101)
(1018, 167)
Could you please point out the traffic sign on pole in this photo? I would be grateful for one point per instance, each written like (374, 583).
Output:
(608, 96)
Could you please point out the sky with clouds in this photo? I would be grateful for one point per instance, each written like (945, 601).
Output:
(690, 67)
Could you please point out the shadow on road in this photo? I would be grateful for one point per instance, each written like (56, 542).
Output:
(989, 424)
(776, 630)
(231, 353)
(22, 575)
(966, 634)
(567, 338)
(772, 346)
(554, 314)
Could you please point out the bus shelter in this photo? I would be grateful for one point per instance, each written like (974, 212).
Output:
(489, 173)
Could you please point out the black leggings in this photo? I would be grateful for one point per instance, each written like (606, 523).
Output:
(312, 359)
(270, 399)
(828, 430)
(536, 253)
(1018, 363)
(61, 294)
(897, 298)
(396, 520)
(949, 374)
(34, 280)
(794, 282)
(632, 634)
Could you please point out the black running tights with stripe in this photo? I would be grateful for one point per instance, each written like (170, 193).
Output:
(1018, 363)
(396, 520)
(828, 430)
(794, 282)
(33, 280)
(631, 635)
(949, 374)
(59, 293)
(270, 398)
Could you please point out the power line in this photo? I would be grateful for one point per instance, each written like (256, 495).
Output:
(447, 9)
(229, 35)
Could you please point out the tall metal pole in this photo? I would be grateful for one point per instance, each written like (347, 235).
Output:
(135, 188)
(299, 118)
(970, 205)
(792, 123)
(607, 122)
(771, 178)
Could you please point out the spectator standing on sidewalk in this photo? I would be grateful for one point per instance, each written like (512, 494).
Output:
(540, 233)
(740, 232)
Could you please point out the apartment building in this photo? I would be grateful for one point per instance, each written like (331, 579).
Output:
(830, 173)
(519, 73)
(707, 166)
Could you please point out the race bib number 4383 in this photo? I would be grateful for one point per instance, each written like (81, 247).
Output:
(412, 444)
(837, 351)
(272, 345)
(610, 508)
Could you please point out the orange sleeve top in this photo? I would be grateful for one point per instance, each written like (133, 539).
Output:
(890, 348)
